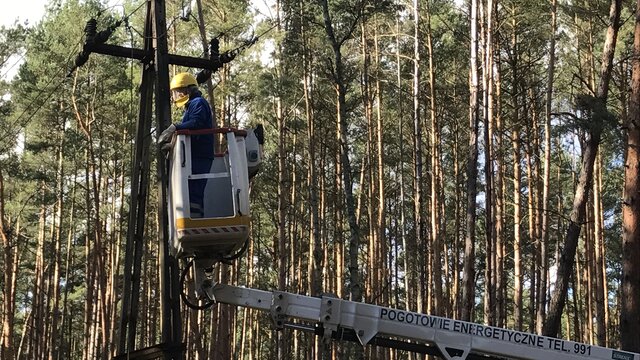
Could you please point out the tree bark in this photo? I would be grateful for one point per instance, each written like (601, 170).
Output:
(283, 205)
(436, 186)
(36, 330)
(355, 289)
(517, 215)
(489, 297)
(517, 241)
(542, 294)
(415, 251)
(630, 286)
(590, 149)
(530, 149)
(383, 247)
(407, 243)
(598, 234)
(7, 350)
(315, 240)
(57, 256)
(468, 293)
(501, 191)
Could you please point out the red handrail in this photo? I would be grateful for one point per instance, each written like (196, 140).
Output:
(223, 130)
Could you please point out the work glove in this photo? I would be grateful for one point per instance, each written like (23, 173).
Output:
(167, 146)
(167, 134)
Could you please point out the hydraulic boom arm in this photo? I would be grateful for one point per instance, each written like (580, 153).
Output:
(454, 339)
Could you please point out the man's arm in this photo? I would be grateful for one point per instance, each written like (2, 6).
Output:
(196, 116)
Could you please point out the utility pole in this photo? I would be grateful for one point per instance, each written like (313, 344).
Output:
(171, 319)
(155, 60)
(139, 192)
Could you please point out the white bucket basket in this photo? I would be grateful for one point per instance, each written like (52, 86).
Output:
(224, 227)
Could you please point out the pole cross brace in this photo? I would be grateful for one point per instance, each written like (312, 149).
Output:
(146, 57)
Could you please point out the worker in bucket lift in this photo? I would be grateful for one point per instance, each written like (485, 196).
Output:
(197, 115)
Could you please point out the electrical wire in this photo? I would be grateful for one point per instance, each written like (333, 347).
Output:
(38, 96)
(51, 78)
(12, 66)
(256, 38)
(236, 50)
(248, 43)
(126, 17)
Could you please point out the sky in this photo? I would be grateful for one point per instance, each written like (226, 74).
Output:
(31, 10)
(24, 10)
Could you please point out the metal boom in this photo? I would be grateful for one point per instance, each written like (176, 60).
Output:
(370, 324)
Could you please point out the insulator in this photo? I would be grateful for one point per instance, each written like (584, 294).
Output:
(215, 48)
(91, 28)
(104, 35)
(82, 58)
(203, 75)
(227, 57)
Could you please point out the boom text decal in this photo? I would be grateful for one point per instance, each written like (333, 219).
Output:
(488, 332)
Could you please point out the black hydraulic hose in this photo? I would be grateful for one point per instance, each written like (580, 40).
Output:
(185, 271)
(239, 253)
(185, 297)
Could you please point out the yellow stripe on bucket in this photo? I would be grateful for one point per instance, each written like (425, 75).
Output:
(187, 223)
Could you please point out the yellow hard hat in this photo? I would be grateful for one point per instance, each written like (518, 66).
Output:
(182, 80)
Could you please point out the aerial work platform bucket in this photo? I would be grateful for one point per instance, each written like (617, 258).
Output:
(221, 228)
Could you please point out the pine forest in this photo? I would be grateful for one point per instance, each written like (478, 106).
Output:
(472, 159)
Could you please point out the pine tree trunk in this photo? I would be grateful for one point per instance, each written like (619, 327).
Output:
(383, 247)
(599, 293)
(418, 233)
(407, 243)
(367, 166)
(517, 241)
(355, 289)
(468, 280)
(489, 298)
(532, 215)
(222, 347)
(280, 246)
(589, 277)
(36, 333)
(501, 190)
(7, 350)
(57, 256)
(547, 158)
(517, 215)
(590, 149)
(66, 322)
(457, 220)
(630, 287)
(315, 241)
(436, 186)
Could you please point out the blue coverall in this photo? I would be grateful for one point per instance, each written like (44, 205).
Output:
(197, 115)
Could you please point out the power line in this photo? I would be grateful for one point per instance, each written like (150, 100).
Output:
(38, 96)
(124, 17)
(57, 86)
(134, 11)
(51, 78)
(21, 57)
